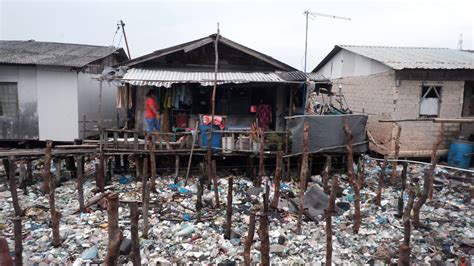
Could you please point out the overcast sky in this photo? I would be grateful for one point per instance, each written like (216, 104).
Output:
(276, 28)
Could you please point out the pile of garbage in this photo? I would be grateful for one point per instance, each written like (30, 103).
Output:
(175, 235)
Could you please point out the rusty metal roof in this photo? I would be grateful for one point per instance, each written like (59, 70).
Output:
(53, 54)
(400, 58)
(165, 78)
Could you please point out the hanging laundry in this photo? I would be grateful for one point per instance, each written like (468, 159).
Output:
(264, 115)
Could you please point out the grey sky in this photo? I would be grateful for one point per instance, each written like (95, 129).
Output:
(272, 27)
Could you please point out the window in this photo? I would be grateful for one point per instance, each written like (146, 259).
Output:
(468, 108)
(8, 99)
(430, 101)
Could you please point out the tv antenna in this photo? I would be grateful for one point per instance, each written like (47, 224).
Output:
(314, 15)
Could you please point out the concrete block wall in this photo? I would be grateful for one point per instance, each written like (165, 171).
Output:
(420, 136)
(373, 95)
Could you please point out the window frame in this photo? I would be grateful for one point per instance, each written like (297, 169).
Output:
(16, 103)
(437, 88)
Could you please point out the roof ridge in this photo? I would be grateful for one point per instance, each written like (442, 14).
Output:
(386, 46)
(62, 43)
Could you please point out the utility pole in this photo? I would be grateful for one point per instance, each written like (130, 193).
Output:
(122, 24)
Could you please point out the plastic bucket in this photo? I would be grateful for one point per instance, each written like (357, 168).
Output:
(215, 138)
(460, 153)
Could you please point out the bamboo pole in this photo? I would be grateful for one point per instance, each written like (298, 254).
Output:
(135, 251)
(427, 180)
(115, 236)
(278, 174)
(14, 193)
(80, 181)
(303, 175)
(329, 213)
(228, 227)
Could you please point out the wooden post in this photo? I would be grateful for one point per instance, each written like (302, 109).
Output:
(303, 175)
(145, 198)
(278, 173)
(29, 173)
(228, 227)
(326, 172)
(209, 160)
(263, 231)
(249, 238)
(139, 166)
(100, 181)
(18, 240)
(403, 180)
(213, 108)
(216, 185)
(393, 177)
(115, 236)
(404, 253)
(23, 180)
(350, 173)
(357, 187)
(55, 215)
(329, 213)
(427, 179)
(378, 198)
(80, 181)
(16, 203)
(261, 161)
(135, 252)
(176, 168)
(152, 164)
(5, 258)
(200, 188)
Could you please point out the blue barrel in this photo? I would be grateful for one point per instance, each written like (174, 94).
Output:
(460, 153)
(216, 138)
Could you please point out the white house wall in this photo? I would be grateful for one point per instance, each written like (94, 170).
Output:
(348, 64)
(88, 99)
(57, 104)
(25, 125)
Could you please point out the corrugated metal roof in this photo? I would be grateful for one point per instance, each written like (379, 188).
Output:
(301, 76)
(415, 57)
(165, 78)
(53, 54)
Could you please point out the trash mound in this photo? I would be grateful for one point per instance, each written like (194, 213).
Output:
(176, 237)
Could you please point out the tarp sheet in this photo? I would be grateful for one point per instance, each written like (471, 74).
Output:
(326, 132)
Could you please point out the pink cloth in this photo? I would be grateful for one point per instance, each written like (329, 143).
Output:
(218, 120)
(264, 115)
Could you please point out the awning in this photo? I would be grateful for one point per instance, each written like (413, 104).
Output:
(166, 78)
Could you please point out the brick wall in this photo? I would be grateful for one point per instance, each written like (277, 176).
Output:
(373, 95)
(422, 135)
(378, 96)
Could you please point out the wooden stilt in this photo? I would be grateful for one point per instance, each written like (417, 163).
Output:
(427, 179)
(80, 181)
(261, 158)
(303, 175)
(57, 173)
(55, 215)
(326, 173)
(216, 185)
(176, 168)
(145, 198)
(393, 177)
(228, 225)
(5, 257)
(378, 198)
(153, 164)
(278, 174)
(350, 173)
(404, 253)
(329, 213)
(18, 240)
(135, 251)
(14, 193)
(23, 179)
(115, 236)
(263, 232)
(100, 180)
(209, 161)
(249, 238)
